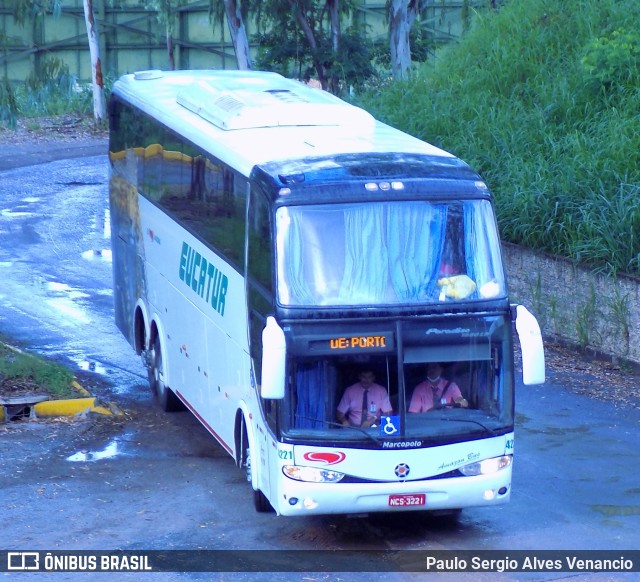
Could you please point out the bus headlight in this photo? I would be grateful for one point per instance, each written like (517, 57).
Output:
(487, 466)
(311, 474)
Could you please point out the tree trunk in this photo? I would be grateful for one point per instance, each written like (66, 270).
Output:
(402, 13)
(170, 51)
(307, 30)
(238, 34)
(99, 108)
(334, 12)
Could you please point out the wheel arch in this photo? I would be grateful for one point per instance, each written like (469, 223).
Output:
(141, 330)
(242, 423)
(156, 331)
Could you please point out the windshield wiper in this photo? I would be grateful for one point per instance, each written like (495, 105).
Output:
(488, 430)
(340, 425)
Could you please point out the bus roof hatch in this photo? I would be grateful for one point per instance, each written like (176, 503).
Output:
(290, 104)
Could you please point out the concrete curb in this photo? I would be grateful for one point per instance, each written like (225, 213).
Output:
(69, 407)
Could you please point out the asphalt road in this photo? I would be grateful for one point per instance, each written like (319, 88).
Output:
(149, 480)
(16, 155)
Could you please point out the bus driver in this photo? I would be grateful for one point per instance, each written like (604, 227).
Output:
(363, 403)
(436, 392)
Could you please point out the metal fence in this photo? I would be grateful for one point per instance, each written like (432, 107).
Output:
(132, 38)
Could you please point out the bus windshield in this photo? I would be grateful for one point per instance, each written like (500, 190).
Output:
(388, 253)
(437, 380)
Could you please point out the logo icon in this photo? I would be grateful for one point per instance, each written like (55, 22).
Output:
(23, 561)
(402, 471)
(327, 458)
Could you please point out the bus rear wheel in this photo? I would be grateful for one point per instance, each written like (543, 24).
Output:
(166, 398)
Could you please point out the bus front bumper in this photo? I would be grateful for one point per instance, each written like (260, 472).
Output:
(300, 498)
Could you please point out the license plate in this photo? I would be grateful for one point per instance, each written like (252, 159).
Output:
(413, 500)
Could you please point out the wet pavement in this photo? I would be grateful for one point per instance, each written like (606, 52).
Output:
(20, 154)
(55, 260)
(150, 480)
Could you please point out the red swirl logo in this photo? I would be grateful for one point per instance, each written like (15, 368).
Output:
(326, 458)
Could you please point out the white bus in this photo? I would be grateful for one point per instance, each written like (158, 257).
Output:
(270, 244)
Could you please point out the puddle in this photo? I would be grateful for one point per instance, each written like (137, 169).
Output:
(113, 449)
(559, 431)
(89, 366)
(618, 510)
(67, 308)
(14, 213)
(20, 210)
(97, 255)
(107, 224)
(64, 298)
(65, 290)
(109, 452)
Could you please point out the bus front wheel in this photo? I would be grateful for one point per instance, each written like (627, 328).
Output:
(260, 501)
(168, 401)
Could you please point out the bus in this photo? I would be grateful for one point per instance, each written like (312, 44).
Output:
(271, 245)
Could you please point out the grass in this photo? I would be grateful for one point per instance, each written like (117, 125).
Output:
(22, 372)
(542, 98)
(54, 91)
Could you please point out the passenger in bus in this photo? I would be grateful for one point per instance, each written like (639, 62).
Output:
(436, 392)
(363, 403)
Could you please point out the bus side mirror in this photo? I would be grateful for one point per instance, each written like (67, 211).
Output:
(533, 371)
(274, 350)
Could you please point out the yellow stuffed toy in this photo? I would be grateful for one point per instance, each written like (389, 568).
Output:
(456, 287)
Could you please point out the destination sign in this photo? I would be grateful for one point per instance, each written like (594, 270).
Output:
(374, 342)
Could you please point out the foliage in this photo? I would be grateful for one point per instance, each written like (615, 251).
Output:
(53, 92)
(8, 105)
(289, 55)
(542, 98)
(423, 47)
(613, 60)
(300, 40)
(30, 370)
(24, 10)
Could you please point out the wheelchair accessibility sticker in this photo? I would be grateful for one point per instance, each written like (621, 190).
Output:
(389, 425)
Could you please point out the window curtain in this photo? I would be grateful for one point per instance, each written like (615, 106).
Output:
(477, 251)
(416, 241)
(391, 254)
(311, 395)
(366, 271)
(294, 286)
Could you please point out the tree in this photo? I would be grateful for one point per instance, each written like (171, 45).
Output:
(304, 39)
(99, 107)
(234, 12)
(33, 12)
(165, 14)
(235, 22)
(402, 14)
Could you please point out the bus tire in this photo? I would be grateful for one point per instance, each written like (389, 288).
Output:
(260, 501)
(165, 397)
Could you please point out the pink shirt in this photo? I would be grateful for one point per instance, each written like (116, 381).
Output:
(422, 398)
(351, 402)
